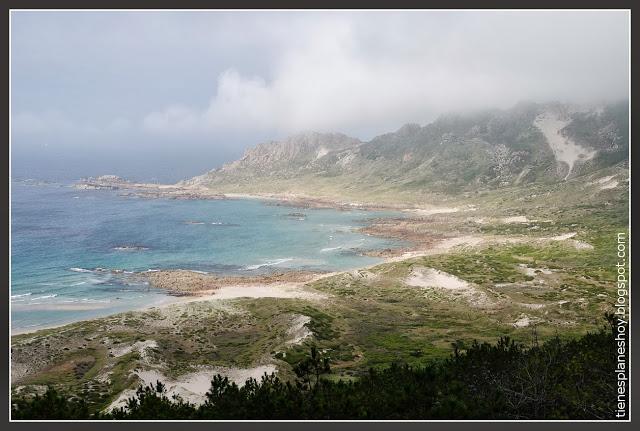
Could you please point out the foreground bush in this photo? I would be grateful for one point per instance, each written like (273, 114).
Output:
(560, 379)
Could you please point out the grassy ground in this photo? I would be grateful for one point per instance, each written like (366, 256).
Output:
(372, 317)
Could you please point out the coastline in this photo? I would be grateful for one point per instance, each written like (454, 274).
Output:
(443, 235)
(195, 286)
(174, 296)
(199, 287)
(193, 192)
(238, 325)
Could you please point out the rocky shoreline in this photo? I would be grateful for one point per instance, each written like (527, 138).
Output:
(195, 192)
(144, 190)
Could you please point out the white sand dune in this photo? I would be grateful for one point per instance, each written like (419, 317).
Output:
(606, 183)
(192, 387)
(564, 149)
(609, 185)
(517, 219)
(563, 237)
(533, 271)
(580, 245)
(522, 322)
(441, 247)
(284, 290)
(432, 211)
(430, 278)
(139, 346)
(299, 330)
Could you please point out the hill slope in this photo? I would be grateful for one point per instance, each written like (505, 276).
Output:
(529, 143)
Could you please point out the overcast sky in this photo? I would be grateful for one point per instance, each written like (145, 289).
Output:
(190, 90)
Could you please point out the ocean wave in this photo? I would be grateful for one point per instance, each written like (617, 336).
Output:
(96, 280)
(193, 222)
(100, 271)
(324, 250)
(348, 246)
(268, 263)
(20, 295)
(85, 301)
(75, 301)
(78, 283)
(80, 270)
(130, 248)
(53, 295)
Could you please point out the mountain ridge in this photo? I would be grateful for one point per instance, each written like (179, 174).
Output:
(488, 149)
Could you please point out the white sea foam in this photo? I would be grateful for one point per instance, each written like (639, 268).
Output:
(85, 301)
(20, 295)
(324, 250)
(130, 248)
(268, 263)
(96, 280)
(53, 295)
(100, 301)
(80, 270)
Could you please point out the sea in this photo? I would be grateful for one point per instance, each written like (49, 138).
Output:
(74, 252)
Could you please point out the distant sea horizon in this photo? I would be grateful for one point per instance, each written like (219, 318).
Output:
(140, 166)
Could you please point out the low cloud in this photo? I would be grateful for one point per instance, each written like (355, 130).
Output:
(340, 76)
(361, 73)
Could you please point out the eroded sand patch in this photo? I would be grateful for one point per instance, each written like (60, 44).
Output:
(192, 387)
(139, 346)
(441, 247)
(533, 271)
(609, 185)
(285, 290)
(525, 320)
(517, 219)
(430, 278)
(563, 237)
(193, 282)
(606, 183)
(532, 306)
(564, 149)
(363, 273)
(432, 211)
(299, 330)
(580, 245)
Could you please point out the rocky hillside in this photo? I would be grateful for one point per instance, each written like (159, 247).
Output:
(483, 150)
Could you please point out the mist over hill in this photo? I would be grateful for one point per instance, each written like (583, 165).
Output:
(488, 149)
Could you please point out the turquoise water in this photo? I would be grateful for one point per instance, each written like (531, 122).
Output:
(66, 244)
